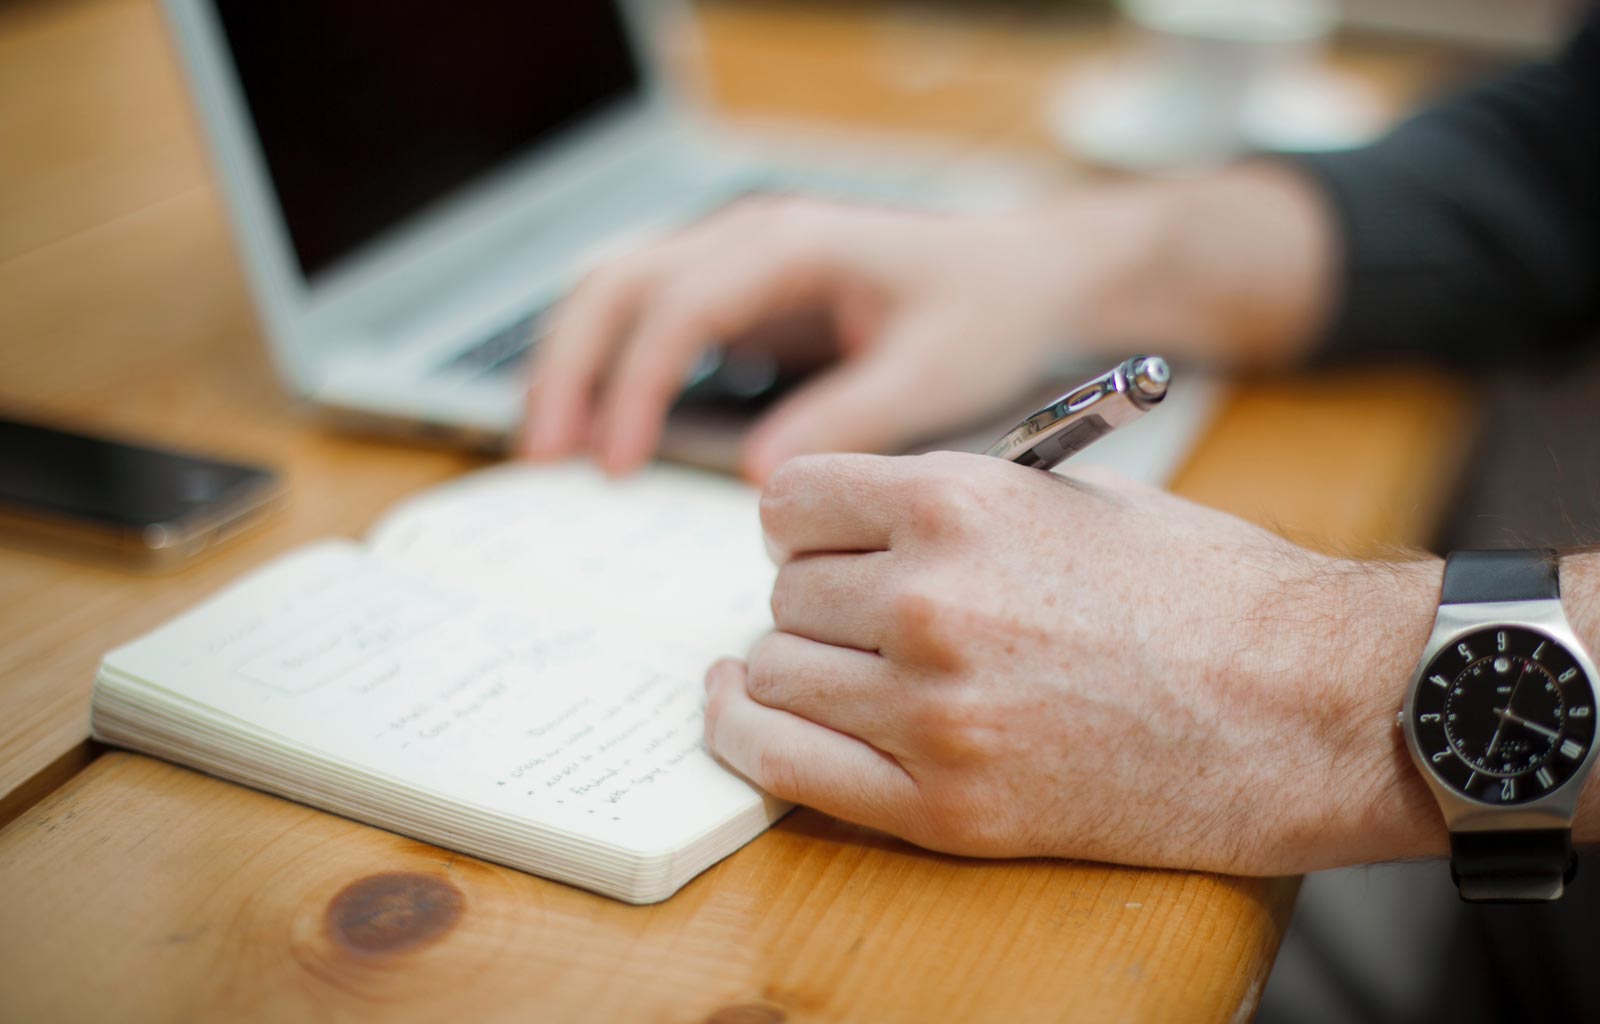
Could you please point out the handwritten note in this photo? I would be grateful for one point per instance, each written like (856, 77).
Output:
(588, 722)
(670, 549)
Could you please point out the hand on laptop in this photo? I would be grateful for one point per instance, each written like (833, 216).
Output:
(989, 660)
(938, 320)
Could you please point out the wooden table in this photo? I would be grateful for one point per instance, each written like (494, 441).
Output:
(138, 890)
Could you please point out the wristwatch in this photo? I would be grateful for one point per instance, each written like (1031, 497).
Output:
(1500, 721)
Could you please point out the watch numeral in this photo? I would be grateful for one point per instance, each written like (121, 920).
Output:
(1432, 716)
(1544, 777)
(1441, 755)
(1465, 651)
(1500, 640)
(1582, 712)
(1508, 789)
(1567, 676)
(1439, 681)
(1538, 650)
(1571, 750)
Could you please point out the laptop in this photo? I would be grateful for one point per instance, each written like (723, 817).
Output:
(412, 184)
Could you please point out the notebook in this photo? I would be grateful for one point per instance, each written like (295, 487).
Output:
(510, 666)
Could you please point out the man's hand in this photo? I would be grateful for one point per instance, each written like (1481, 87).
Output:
(990, 660)
(936, 320)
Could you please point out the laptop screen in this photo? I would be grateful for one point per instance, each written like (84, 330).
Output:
(368, 112)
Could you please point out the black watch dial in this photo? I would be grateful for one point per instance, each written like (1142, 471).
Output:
(1504, 715)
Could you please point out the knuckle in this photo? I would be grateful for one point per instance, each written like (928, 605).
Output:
(788, 480)
(782, 484)
(958, 727)
(924, 620)
(915, 611)
(775, 497)
(761, 677)
(783, 594)
(941, 505)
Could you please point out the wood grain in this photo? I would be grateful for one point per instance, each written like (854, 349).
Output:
(158, 894)
(84, 149)
(139, 890)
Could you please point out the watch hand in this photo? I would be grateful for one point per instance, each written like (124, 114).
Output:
(1542, 730)
(1495, 740)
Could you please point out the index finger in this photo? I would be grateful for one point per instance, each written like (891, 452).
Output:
(583, 331)
(833, 503)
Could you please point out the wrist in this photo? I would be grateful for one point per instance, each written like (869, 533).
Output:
(1236, 267)
(1362, 799)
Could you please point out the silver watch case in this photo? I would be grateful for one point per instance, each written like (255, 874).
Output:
(1461, 813)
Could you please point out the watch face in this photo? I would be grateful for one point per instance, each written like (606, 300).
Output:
(1504, 715)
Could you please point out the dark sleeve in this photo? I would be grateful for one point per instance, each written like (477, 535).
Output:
(1473, 230)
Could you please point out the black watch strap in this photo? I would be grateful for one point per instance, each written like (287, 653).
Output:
(1516, 865)
(1483, 577)
(1526, 866)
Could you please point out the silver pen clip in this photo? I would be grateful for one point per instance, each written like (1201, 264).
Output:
(1086, 413)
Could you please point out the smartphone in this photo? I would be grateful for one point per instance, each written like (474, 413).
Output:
(153, 507)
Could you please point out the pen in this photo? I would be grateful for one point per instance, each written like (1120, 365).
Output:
(1085, 414)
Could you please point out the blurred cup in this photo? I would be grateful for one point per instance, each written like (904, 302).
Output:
(1183, 96)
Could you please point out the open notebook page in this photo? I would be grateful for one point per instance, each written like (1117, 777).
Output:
(593, 727)
(674, 548)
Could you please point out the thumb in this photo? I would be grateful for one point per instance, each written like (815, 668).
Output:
(873, 402)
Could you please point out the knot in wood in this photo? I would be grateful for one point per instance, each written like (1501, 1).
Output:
(393, 911)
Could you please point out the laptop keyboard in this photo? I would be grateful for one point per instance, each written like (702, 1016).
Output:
(501, 353)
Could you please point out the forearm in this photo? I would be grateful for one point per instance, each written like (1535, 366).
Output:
(1236, 267)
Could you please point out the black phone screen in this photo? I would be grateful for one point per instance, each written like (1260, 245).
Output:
(55, 473)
